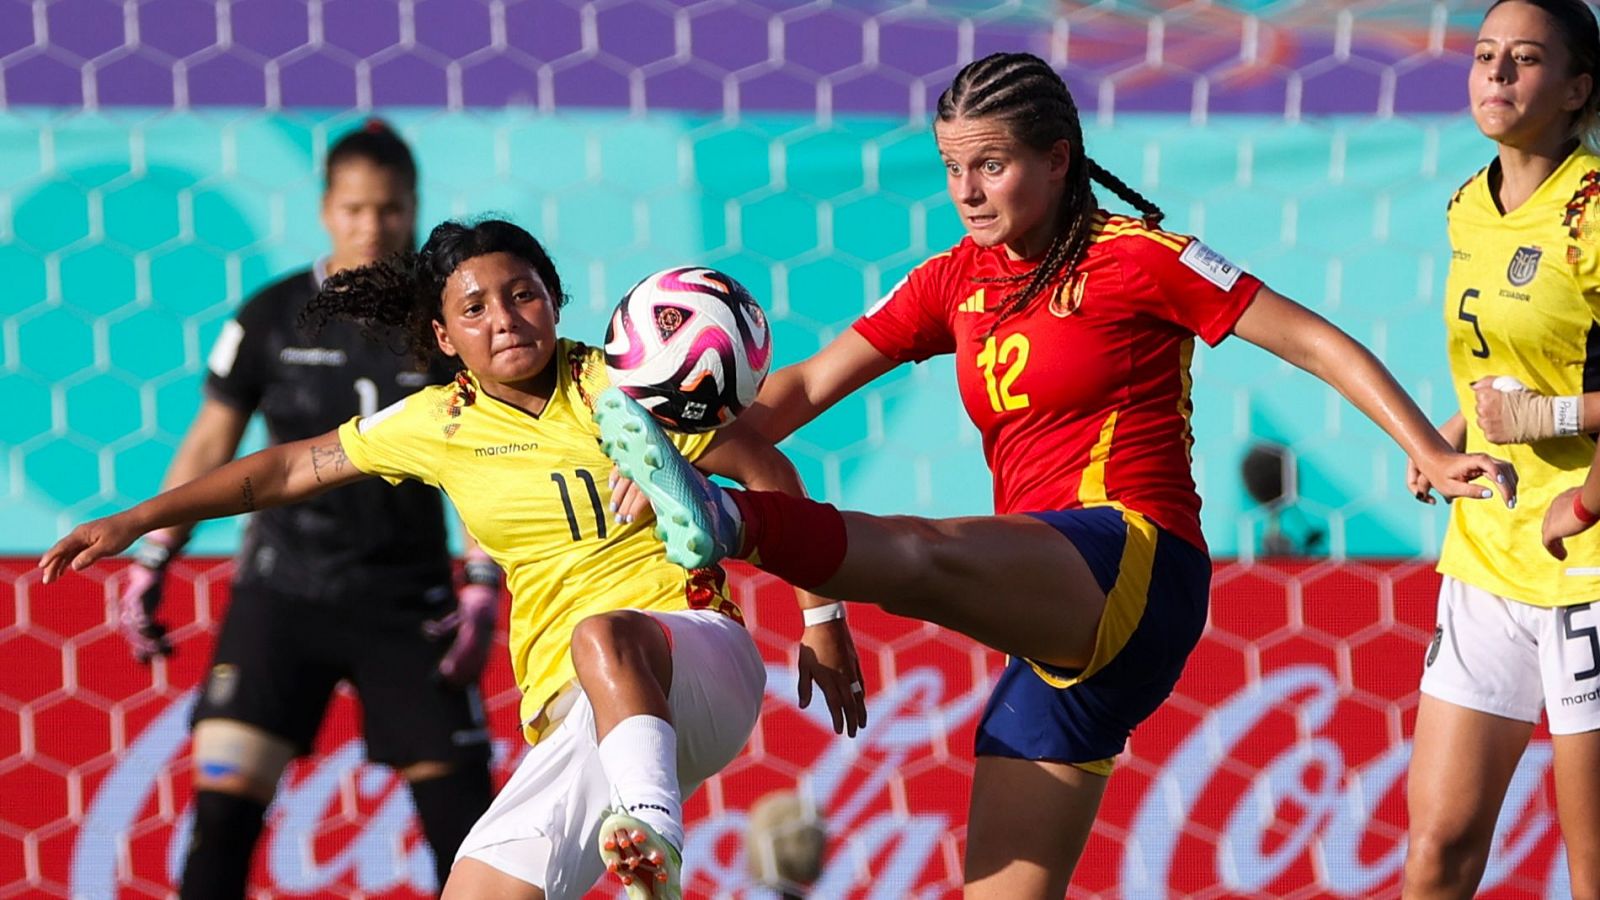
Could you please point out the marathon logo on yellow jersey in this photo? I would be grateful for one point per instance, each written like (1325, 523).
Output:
(502, 449)
(1524, 265)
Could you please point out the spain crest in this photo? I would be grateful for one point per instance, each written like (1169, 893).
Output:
(1068, 297)
(1524, 265)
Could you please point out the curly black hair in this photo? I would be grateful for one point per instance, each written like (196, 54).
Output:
(404, 294)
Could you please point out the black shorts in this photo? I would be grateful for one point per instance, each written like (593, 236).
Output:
(279, 658)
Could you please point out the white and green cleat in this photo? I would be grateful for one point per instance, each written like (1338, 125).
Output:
(693, 518)
(648, 866)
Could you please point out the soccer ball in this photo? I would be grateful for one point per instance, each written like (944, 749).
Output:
(691, 346)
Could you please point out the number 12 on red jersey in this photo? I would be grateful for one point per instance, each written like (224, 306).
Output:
(1002, 363)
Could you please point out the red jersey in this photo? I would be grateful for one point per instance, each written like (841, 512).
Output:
(1082, 400)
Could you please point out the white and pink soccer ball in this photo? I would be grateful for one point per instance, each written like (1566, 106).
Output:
(691, 346)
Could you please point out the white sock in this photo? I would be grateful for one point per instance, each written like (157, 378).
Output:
(640, 759)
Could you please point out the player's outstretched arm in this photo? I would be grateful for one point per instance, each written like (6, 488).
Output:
(212, 439)
(210, 443)
(1300, 336)
(277, 475)
(794, 395)
(828, 658)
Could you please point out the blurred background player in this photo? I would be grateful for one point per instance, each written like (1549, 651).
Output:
(352, 586)
(1516, 630)
(1073, 331)
(638, 680)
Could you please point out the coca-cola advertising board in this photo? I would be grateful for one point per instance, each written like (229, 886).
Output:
(1277, 769)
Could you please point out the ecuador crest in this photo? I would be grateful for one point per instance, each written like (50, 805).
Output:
(1524, 265)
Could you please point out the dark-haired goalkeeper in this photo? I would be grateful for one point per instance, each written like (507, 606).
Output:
(353, 585)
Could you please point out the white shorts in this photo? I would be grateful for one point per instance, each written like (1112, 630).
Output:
(1514, 659)
(543, 826)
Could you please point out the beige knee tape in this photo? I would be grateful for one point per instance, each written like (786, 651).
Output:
(238, 758)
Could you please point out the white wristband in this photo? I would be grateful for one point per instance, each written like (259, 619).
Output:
(1568, 412)
(816, 615)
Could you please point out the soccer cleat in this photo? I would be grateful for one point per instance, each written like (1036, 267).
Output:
(693, 518)
(654, 872)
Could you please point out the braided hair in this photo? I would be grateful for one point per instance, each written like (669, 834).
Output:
(1581, 36)
(1023, 93)
(404, 294)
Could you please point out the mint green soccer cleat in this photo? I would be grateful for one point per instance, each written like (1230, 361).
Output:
(653, 872)
(693, 518)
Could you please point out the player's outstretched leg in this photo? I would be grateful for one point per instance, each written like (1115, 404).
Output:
(699, 525)
(646, 863)
(1016, 583)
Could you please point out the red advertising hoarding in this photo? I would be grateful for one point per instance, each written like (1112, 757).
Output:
(1277, 769)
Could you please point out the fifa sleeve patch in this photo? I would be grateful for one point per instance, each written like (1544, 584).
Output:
(369, 422)
(225, 352)
(1210, 265)
(884, 300)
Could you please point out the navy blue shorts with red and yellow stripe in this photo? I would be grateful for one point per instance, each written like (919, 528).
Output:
(1157, 589)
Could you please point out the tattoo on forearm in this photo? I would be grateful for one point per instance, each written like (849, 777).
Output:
(249, 493)
(329, 460)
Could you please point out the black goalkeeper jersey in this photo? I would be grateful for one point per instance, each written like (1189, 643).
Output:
(363, 544)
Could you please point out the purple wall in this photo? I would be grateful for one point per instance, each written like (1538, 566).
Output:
(751, 56)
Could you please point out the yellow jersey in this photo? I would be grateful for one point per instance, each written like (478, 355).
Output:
(534, 492)
(1523, 299)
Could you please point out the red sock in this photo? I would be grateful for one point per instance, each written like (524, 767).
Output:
(801, 541)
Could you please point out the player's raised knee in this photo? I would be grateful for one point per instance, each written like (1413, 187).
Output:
(599, 640)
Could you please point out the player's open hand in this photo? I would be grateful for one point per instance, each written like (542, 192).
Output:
(828, 660)
(1561, 521)
(88, 542)
(1459, 474)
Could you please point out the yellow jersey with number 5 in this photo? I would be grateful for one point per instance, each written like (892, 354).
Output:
(534, 491)
(1523, 299)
